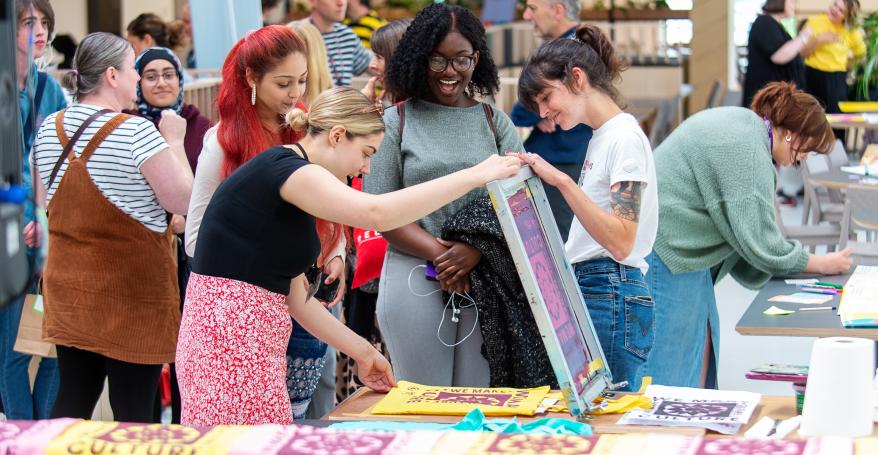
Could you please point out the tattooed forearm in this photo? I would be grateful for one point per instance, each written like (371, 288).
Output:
(625, 200)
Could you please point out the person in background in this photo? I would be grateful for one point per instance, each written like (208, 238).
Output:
(39, 95)
(615, 201)
(772, 54)
(346, 54)
(363, 20)
(716, 183)
(441, 64)
(161, 88)
(384, 43)
(179, 41)
(319, 79)
(186, 17)
(258, 239)
(565, 150)
(66, 46)
(145, 31)
(112, 305)
(837, 42)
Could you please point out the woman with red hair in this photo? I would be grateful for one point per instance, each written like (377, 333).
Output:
(264, 77)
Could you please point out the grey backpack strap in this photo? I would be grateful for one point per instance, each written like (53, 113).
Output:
(401, 109)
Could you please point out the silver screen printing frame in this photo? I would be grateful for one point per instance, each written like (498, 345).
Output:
(566, 338)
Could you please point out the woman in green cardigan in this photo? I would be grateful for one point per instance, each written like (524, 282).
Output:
(716, 186)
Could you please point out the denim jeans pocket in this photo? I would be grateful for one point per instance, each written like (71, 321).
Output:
(639, 325)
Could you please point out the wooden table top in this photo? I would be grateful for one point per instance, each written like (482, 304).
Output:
(358, 407)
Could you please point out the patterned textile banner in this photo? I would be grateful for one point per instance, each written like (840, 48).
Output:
(68, 436)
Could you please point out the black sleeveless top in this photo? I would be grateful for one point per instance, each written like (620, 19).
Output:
(250, 234)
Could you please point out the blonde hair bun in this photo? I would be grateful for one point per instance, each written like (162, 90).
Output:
(297, 119)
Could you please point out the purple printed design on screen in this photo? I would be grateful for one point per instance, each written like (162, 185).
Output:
(536, 245)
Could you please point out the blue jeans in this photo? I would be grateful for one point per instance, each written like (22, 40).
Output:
(684, 306)
(305, 359)
(19, 403)
(621, 310)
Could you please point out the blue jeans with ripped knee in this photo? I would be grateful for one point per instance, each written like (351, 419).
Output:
(622, 312)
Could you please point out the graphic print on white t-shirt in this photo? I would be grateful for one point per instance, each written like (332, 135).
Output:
(617, 152)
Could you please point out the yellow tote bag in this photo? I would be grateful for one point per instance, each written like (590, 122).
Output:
(411, 398)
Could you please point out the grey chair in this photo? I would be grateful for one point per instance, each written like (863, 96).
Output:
(860, 213)
(818, 206)
(809, 235)
(717, 94)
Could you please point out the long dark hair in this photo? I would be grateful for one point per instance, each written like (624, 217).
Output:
(591, 51)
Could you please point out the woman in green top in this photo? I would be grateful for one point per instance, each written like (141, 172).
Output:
(716, 185)
(441, 64)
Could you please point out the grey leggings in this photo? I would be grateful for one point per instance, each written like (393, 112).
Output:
(409, 323)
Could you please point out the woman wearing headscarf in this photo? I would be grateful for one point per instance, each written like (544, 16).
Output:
(161, 88)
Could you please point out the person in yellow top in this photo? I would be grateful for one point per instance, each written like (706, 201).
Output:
(835, 42)
(363, 20)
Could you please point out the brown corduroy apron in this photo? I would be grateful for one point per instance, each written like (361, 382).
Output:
(110, 284)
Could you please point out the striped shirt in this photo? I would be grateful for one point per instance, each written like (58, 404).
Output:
(115, 165)
(365, 26)
(347, 56)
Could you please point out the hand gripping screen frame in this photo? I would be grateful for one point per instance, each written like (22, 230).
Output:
(574, 351)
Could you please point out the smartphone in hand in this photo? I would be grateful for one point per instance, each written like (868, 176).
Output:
(430, 272)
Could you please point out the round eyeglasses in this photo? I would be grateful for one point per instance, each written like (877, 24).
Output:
(461, 63)
(153, 78)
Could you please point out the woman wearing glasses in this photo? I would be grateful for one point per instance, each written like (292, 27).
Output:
(160, 89)
(441, 64)
(259, 237)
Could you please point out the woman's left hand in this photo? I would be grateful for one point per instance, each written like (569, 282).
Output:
(335, 270)
(375, 372)
(548, 174)
(457, 261)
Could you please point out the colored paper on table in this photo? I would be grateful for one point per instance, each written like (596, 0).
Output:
(858, 170)
(410, 398)
(796, 281)
(775, 311)
(859, 301)
(806, 298)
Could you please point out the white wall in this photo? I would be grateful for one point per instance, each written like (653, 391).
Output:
(71, 18)
(133, 8)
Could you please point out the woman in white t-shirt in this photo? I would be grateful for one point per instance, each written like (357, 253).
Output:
(571, 81)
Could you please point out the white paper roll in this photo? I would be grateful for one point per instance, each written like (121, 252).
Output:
(839, 393)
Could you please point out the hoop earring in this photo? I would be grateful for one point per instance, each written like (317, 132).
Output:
(253, 95)
(789, 137)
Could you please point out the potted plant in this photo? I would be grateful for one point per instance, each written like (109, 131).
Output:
(867, 70)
